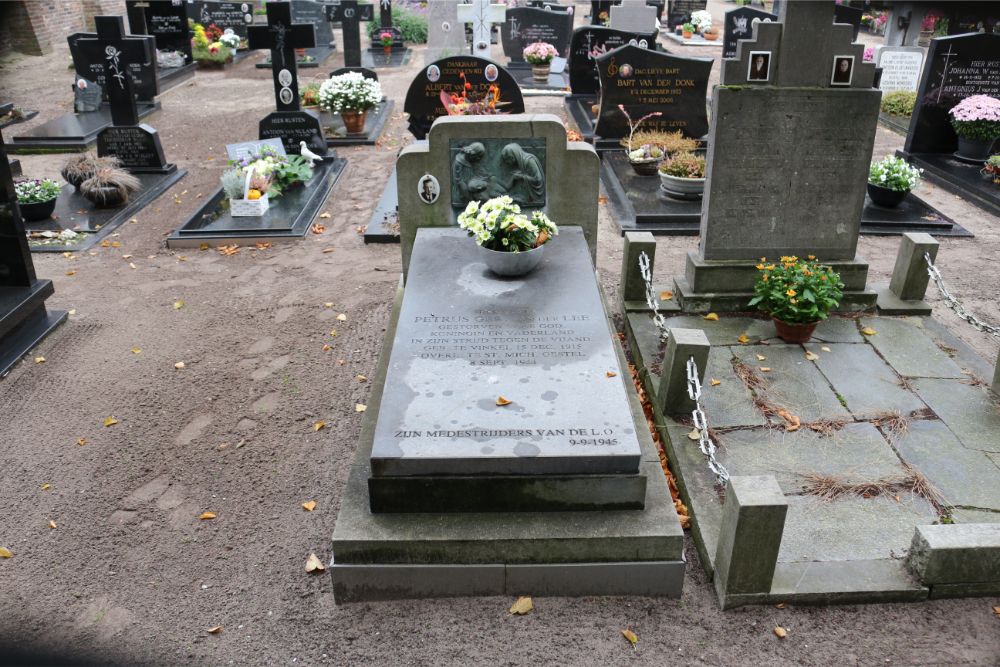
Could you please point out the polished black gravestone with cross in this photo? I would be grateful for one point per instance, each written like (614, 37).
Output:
(377, 55)
(167, 22)
(350, 15)
(24, 320)
(314, 13)
(288, 216)
(78, 131)
(136, 145)
(956, 67)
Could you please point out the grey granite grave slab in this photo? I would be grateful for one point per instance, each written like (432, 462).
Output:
(845, 582)
(970, 412)
(909, 348)
(852, 528)
(857, 453)
(838, 330)
(468, 337)
(866, 382)
(726, 330)
(974, 516)
(794, 383)
(963, 476)
(729, 403)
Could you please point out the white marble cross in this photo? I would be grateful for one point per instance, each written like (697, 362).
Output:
(482, 15)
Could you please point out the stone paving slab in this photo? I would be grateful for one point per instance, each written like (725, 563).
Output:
(727, 329)
(728, 403)
(794, 382)
(852, 528)
(974, 516)
(867, 384)
(839, 330)
(909, 349)
(857, 453)
(969, 411)
(966, 477)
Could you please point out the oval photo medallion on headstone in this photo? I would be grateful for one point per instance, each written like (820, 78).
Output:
(286, 95)
(491, 72)
(446, 26)
(433, 73)
(285, 78)
(428, 189)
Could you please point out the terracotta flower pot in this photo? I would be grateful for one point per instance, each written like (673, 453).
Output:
(354, 121)
(541, 72)
(387, 50)
(686, 35)
(711, 36)
(793, 332)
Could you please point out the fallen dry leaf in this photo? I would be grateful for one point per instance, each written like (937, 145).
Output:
(131, 265)
(262, 245)
(714, 382)
(309, 506)
(81, 441)
(214, 631)
(333, 332)
(780, 632)
(207, 516)
(71, 273)
(361, 378)
(342, 317)
(780, 605)
(328, 304)
(761, 357)
(318, 228)
(136, 350)
(52, 525)
(178, 304)
(327, 347)
(611, 374)
(358, 407)
(324, 215)
(204, 246)
(996, 610)
(521, 606)
(765, 369)
(811, 356)
(602, 200)
(179, 365)
(825, 348)
(110, 421)
(228, 250)
(743, 339)
(792, 422)
(46, 487)
(868, 331)
(327, 251)
(695, 434)
(319, 426)
(666, 296)
(632, 638)
(711, 317)
(39, 360)
(501, 401)
(5, 553)
(314, 564)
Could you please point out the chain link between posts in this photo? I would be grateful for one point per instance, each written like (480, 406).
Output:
(651, 299)
(705, 443)
(954, 304)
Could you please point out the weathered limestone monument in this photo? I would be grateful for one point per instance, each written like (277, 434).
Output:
(788, 161)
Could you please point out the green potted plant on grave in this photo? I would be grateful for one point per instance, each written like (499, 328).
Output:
(283, 172)
(309, 96)
(247, 192)
(991, 168)
(798, 294)
(36, 198)
(81, 167)
(540, 55)
(682, 176)
(510, 241)
(352, 96)
(890, 180)
(687, 30)
(976, 120)
(643, 158)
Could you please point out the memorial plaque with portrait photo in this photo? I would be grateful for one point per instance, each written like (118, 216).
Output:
(760, 66)
(843, 71)
(588, 43)
(647, 81)
(485, 168)
(423, 99)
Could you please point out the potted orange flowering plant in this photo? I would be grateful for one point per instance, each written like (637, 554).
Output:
(798, 294)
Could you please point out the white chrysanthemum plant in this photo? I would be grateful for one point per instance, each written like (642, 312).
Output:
(498, 224)
(701, 20)
(349, 92)
(894, 173)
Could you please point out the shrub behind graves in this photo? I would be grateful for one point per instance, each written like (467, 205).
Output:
(899, 102)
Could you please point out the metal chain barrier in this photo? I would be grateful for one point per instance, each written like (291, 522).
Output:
(651, 299)
(953, 303)
(705, 443)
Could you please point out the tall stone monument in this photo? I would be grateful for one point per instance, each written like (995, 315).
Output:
(482, 14)
(792, 132)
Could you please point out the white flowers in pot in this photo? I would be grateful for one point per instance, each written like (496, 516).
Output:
(349, 92)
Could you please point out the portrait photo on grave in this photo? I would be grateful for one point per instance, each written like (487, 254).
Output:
(433, 73)
(428, 189)
(491, 73)
(843, 71)
(760, 66)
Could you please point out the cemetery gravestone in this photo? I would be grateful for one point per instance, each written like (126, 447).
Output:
(587, 45)
(849, 15)
(24, 319)
(956, 67)
(680, 11)
(647, 81)
(386, 25)
(445, 34)
(88, 96)
(167, 22)
(527, 25)
(350, 15)
(482, 15)
(901, 67)
(236, 16)
(423, 99)
(315, 14)
(738, 25)
(762, 178)
(600, 12)
(633, 16)
(139, 51)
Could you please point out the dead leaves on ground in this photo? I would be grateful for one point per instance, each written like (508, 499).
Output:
(868, 331)
(207, 516)
(359, 407)
(521, 607)
(314, 564)
(319, 426)
(780, 632)
(501, 401)
(110, 421)
(711, 317)
(309, 506)
(630, 636)
(318, 228)
(228, 250)
(6, 553)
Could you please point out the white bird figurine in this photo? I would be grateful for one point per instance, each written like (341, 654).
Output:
(308, 154)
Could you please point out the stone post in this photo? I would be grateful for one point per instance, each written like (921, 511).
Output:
(672, 391)
(905, 295)
(753, 521)
(633, 287)
(996, 377)
(957, 560)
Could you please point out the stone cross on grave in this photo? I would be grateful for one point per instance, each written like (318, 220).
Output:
(385, 14)
(112, 47)
(350, 15)
(482, 15)
(282, 37)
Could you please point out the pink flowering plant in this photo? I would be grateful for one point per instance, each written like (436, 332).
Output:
(869, 54)
(977, 118)
(540, 53)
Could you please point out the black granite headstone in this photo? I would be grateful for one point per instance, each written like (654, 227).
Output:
(956, 68)
(681, 10)
(292, 127)
(423, 99)
(137, 147)
(527, 25)
(87, 96)
(600, 11)
(282, 37)
(363, 71)
(350, 14)
(138, 51)
(237, 16)
(546, 4)
(591, 41)
(165, 20)
(386, 25)
(647, 81)
(739, 25)
(116, 49)
(850, 15)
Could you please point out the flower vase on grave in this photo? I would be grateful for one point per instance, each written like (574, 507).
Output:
(510, 243)
(541, 72)
(354, 121)
(973, 150)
